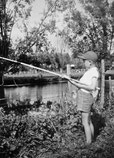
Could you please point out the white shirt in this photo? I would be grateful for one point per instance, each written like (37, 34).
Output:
(88, 75)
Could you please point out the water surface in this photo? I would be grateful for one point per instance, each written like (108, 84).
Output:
(50, 92)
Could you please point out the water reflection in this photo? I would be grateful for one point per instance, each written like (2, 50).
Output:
(3, 101)
(52, 92)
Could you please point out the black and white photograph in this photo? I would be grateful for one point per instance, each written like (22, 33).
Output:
(56, 78)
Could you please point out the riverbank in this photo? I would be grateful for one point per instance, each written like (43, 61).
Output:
(29, 79)
(34, 79)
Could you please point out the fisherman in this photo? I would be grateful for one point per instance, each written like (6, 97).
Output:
(87, 87)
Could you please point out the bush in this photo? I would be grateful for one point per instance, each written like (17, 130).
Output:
(52, 131)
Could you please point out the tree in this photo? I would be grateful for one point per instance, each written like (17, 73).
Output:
(10, 12)
(8, 18)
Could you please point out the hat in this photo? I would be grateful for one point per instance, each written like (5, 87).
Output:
(90, 55)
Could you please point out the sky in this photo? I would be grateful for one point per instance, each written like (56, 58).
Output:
(38, 8)
(37, 11)
(36, 14)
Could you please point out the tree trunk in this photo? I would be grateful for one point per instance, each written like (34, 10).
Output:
(102, 82)
(2, 94)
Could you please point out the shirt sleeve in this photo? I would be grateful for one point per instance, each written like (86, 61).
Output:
(95, 74)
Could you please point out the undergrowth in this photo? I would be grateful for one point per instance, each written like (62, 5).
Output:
(52, 130)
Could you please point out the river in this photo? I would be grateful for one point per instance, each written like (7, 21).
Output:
(49, 92)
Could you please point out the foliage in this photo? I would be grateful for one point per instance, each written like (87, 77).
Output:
(8, 18)
(82, 32)
(36, 37)
(91, 30)
(102, 26)
(53, 130)
(46, 60)
(33, 131)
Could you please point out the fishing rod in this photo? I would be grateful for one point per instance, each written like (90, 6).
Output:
(31, 66)
(38, 68)
(34, 67)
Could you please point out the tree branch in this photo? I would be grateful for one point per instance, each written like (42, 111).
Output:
(46, 15)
